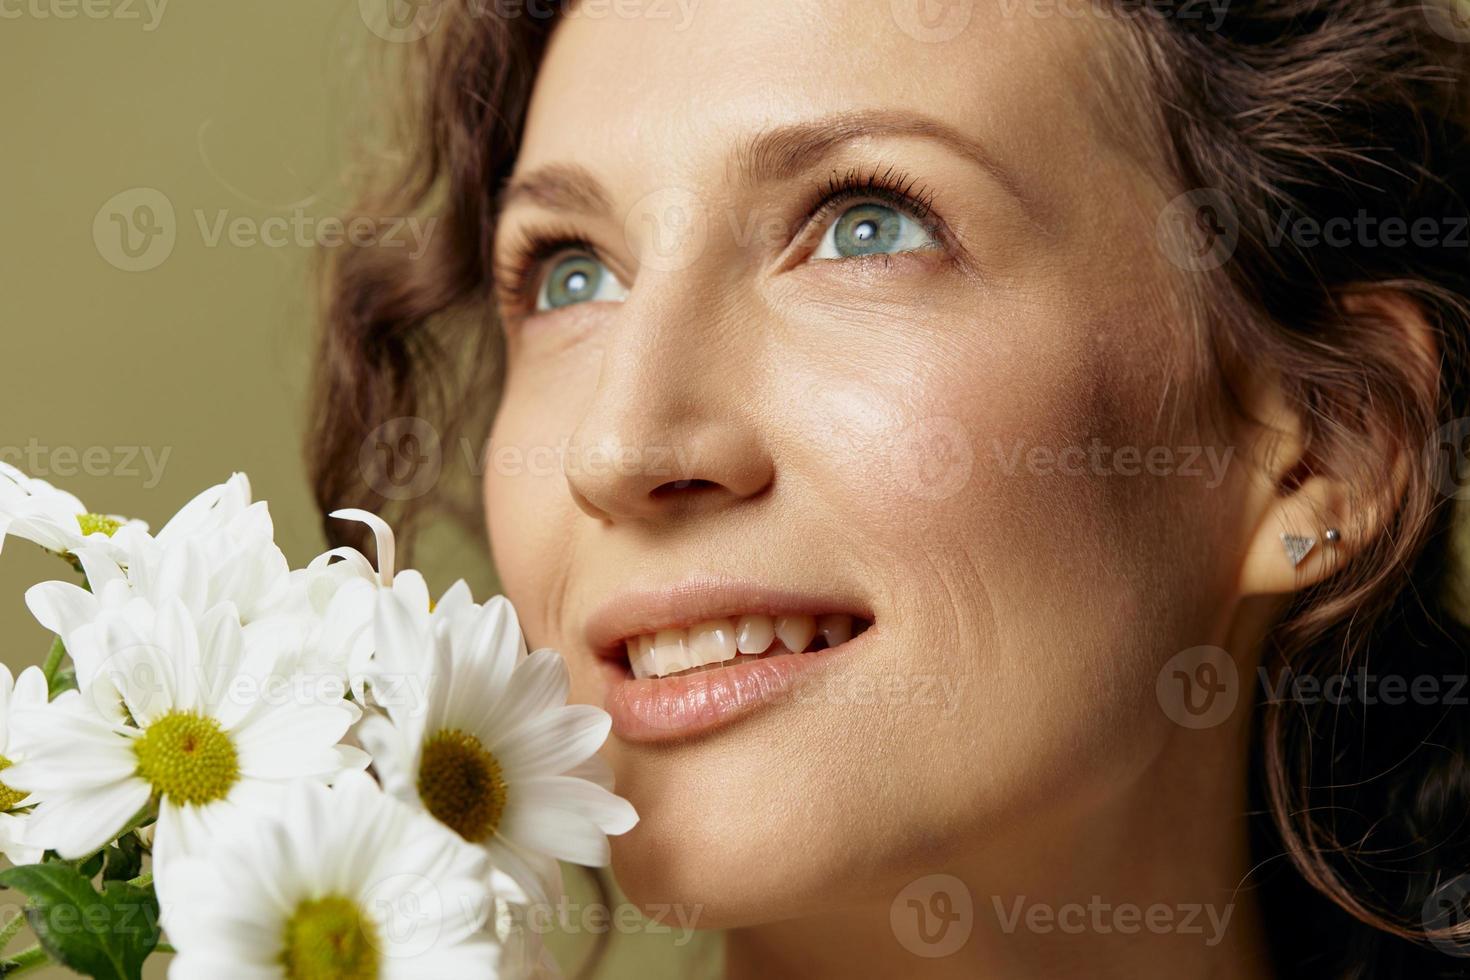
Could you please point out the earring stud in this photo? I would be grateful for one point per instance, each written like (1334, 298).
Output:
(1297, 547)
(1333, 535)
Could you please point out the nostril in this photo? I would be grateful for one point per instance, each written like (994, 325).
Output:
(682, 486)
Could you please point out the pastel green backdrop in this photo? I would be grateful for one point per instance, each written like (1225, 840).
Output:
(138, 370)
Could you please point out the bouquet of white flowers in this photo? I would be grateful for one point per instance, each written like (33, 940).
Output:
(311, 773)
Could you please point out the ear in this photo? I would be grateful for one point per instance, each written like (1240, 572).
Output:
(1321, 477)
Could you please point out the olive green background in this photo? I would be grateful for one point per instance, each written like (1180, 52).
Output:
(137, 389)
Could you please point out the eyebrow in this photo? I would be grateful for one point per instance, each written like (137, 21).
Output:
(781, 153)
(773, 155)
(558, 187)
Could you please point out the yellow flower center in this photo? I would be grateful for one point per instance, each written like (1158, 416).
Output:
(187, 758)
(461, 785)
(94, 523)
(8, 797)
(329, 939)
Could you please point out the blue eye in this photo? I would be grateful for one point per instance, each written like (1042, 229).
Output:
(873, 229)
(578, 278)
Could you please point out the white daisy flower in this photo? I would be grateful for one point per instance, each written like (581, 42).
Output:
(27, 691)
(36, 511)
(324, 636)
(175, 714)
(218, 548)
(342, 884)
(356, 561)
(341, 569)
(491, 749)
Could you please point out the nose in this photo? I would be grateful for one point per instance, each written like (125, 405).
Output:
(670, 428)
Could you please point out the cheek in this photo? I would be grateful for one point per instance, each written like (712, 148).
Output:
(529, 513)
(917, 438)
(1005, 581)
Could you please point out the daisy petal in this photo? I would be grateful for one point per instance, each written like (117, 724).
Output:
(557, 833)
(610, 812)
(75, 827)
(552, 743)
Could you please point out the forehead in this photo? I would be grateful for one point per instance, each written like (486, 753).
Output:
(644, 91)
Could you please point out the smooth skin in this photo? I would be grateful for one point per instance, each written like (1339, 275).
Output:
(866, 424)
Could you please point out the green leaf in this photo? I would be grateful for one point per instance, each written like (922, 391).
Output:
(89, 867)
(103, 935)
(124, 859)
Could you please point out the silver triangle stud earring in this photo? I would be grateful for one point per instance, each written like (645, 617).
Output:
(1297, 547)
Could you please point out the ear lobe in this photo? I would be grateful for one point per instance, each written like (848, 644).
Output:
(1291, 550)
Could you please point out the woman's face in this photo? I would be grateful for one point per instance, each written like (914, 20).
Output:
(842, 315)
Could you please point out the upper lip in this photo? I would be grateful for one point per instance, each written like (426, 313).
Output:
(696, 600)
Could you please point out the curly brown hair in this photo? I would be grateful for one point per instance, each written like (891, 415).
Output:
(1312, 108)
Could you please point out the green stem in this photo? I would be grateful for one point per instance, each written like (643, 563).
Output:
(9, 930)
(143, 880)
(142, 818)
(24, 962)
(164, 948)
(53, 663)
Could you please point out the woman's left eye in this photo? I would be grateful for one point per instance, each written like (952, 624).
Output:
(873, 229)
(577, 278)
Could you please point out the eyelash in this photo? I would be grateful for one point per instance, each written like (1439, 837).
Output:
(892, 186)
(517, 280)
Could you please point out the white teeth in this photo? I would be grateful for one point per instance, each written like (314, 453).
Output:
(796, 632)
(671, 652)
(836, 630)
(712, 642)
(719, 641)
(754, 634)
(640, 656)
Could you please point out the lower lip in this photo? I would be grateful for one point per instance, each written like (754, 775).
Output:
(663, 709)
